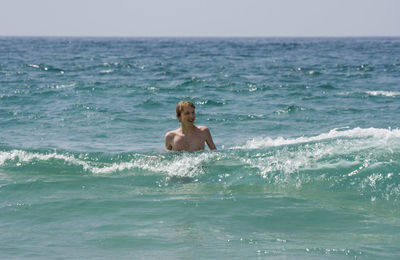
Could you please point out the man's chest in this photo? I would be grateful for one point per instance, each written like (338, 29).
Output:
(189, 142)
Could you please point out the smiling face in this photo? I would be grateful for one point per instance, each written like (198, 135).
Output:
(187, 115)
(185, 112)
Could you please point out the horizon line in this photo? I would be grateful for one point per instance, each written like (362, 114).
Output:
(200, 36)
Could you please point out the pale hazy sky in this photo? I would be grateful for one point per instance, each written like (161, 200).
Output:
(200, 18)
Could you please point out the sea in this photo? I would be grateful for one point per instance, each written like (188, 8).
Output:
(307, 164)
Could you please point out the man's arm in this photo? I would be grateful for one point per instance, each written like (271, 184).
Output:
(168, 141)
(209, 139)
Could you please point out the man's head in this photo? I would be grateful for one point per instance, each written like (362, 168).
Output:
(182, 107)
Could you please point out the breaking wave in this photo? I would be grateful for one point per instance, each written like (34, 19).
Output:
(361, 160)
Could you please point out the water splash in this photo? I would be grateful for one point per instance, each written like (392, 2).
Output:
(358, 160)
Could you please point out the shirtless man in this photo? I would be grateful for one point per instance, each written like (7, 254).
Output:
(188, 137)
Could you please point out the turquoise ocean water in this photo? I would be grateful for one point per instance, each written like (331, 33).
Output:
(307, 131)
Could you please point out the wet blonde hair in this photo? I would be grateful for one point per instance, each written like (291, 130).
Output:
(179, 107)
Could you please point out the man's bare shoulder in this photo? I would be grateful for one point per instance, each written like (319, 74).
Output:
(172, 133)
(169, 137)
(202, 128)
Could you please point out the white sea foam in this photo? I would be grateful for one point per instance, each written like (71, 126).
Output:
(33, 66)
(357, 150)
(23, 156)
(308, 156)
(378, 134)
(326, 150)
(106, 71)
(373, 93)
(181, 165)
(383, 93)
(61, 86)
(26, 157)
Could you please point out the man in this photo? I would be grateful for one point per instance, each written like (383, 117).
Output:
(188, 137)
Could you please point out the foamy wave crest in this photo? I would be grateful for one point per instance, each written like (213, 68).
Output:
(25, 157)
(383, 93)
(379, 135)
(366, 160)
(179, 164)
(356, 160)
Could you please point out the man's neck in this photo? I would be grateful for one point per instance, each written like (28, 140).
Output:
(187, 128)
